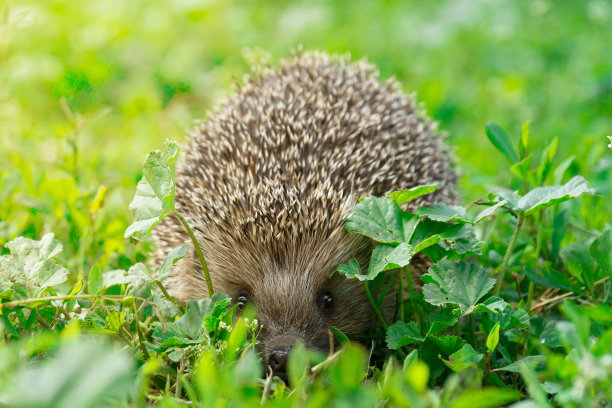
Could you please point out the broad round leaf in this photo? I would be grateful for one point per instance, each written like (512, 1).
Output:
(460, 284)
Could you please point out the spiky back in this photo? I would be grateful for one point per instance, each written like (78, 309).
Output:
(275, 169)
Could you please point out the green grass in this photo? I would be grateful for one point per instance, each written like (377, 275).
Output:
(88, 88)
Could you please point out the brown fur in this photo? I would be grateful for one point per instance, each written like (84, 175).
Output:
(267, 181)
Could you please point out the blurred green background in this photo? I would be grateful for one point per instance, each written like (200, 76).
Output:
(87, 88)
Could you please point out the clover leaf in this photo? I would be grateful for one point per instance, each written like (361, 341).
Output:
(460, 284)
(155, 192)
(30, 270)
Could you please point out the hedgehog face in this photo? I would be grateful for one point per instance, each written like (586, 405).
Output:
(289, 317)
(303, 313)
(298, 301)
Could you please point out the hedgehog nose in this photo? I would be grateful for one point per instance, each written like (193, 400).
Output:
(278, 358)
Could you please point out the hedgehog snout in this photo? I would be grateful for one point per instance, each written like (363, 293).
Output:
(275, 347)
(277, 352)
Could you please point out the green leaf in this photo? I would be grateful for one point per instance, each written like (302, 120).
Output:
(561, 168)
(512, 318)
(341, 337)
(551, 278)
(351, 269)
(485, 398)
(534, 386)
(601, 249)
(403, 196)
(168, 309)
(300, 358)
(441, 320)
(348, 371)
(511, 197)
(77, 287)
(8, 295)
(416, 375)
(401, 334)
(560, 223)
(551, 387)
(220, 303)
(30, 268)
(581, 326)
(173, 257)
(458, 237)
(193, 319)
(115, 277)
(95, 281)
(297, 364)
(522, 168)
(247, 370)
(158, 170)
(547, 157)
(463, 358)
(524, 140)
(385, 257)
(381, 219)
(500, 139)
(579, 263)
(236, 340)
(444, 213)
(137, 278)
(191, 327)
(489, 211)
(459, 284)
(530, 361)
(493, 338)
(542, 197)
(154, 197)
(82, 374)
(114, 320)
(410, 360)
(448, 344)
(493, 304)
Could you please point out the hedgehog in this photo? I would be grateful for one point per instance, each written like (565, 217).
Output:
(267, 180)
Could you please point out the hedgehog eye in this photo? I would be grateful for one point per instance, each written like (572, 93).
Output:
(327, 302)
(242, 300)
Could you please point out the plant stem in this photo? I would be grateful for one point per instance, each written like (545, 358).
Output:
(166, 294)
(410, 297)
(124, 336)
(502, 270)
(42, 322)
(267, 384)
(529, 296)
(565, 295)
(537, 258)
(198, 249)
(400, 297)
(517, 281)
(140, 335)
(323, 363)
(177, 391)
(22, 302)
(374, 306)
(111, 298)
(472, 329)
(487, 370)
